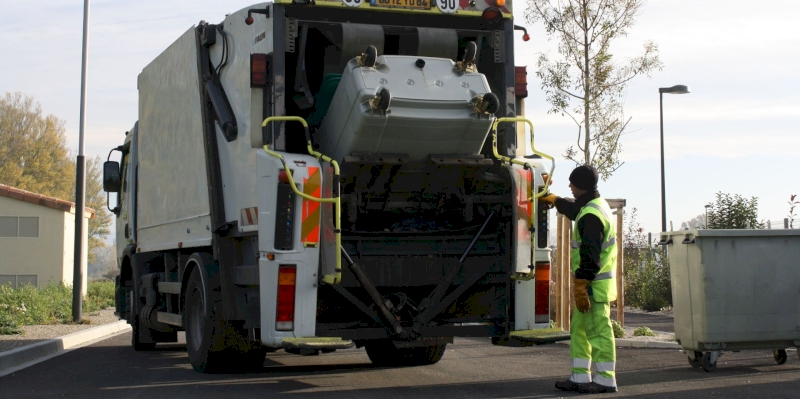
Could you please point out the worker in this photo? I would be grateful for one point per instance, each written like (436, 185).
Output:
(594, 259)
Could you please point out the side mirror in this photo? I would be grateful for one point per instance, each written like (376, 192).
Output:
(111, 177)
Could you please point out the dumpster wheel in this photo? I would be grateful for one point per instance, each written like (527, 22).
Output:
(707, 364)
(780, 356)
(697, 361)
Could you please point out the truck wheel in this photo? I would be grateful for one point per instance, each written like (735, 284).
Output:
(137, 329)
(426, 355)
(203, 329)
(385, 354)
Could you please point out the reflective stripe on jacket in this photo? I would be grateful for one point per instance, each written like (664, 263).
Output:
(604, 285)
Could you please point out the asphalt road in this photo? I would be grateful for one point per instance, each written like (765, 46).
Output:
(471, 368)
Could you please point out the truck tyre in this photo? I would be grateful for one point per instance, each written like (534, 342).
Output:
(203, 328)
(385, 354)
(137, 329)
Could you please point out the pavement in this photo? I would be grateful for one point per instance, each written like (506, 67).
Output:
(29, 355)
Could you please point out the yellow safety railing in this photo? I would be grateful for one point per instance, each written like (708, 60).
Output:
(532, 273)
(336, 200)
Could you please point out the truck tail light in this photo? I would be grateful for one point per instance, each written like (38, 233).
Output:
(542, 308)
(491, 14)
(259, 70)
(521, 81)
(283, 177)
(284, 315)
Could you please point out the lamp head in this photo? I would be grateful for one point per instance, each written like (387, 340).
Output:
(677, 89)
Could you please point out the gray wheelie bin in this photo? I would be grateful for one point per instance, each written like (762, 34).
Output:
(734, 290)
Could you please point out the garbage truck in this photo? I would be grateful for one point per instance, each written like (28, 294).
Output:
(316, 175)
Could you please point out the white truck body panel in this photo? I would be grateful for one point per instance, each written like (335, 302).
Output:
(172, 210)
(238, 158)
(525, 291)
(305, 258)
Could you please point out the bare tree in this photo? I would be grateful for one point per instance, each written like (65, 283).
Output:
(587, 74)
(695, 223)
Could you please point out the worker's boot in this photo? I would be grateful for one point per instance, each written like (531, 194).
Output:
(567, 385)
(593, 387)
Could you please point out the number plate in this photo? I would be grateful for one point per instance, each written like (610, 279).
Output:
(413, 4)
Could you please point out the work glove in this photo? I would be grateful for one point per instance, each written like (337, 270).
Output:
(549, 199)
(580, 291)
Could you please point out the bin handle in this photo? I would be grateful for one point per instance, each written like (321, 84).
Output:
(688, 239)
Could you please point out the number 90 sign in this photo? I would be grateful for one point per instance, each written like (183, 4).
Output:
(447, 6)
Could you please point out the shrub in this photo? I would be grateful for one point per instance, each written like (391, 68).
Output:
(643, 332)
(734, 212)
(8, 325)
(99, 295)
(51, 304)
(619, 332)
(647, 279)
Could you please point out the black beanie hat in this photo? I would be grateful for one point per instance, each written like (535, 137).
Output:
(584, 177)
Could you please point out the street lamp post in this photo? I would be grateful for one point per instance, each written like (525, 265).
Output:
(707, 206)
(80, 183)
(677, 89)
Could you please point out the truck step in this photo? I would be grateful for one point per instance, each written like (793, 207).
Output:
(315, 344)
(540, 336)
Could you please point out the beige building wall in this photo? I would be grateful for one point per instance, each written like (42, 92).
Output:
(69, 250)
(46, 255)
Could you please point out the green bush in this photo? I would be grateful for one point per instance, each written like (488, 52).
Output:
(99, 295)
(647, 281)
(643, 332)
(619, 332)
(51, 304)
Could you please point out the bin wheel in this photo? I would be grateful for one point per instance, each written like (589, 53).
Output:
(696, 362)
(492, 103)
(470, 52)
(780, 356)
(370, 56)
(706, 363)
(384, 99)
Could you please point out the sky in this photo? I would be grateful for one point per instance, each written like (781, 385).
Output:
(736, 132)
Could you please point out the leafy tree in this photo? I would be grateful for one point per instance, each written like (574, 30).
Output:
(734, 212)
(33, 148)
(792, 204)
(34, 157)
(587, 74)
